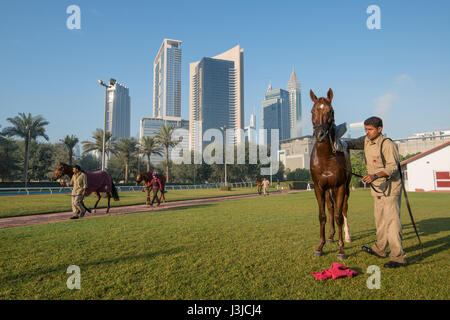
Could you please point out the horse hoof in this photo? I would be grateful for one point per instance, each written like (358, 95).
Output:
(348, 240)
(317, 253)
(330, 240)
(341, 256)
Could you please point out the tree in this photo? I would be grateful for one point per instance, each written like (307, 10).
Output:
(125, 149)
(358, 163)
(28, 128)
(41, 159)
(299, 175)
(9, 160)
(97, 144)
(164, 138)
(149, 146)
(69, 142)
(89, 163)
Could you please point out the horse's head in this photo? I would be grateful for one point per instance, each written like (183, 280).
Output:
(139, 178)
(322, 115)
(59, 172)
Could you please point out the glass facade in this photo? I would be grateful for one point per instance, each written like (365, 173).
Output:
(214, 94)
(167, 80)
(275, 113)
(118, 111)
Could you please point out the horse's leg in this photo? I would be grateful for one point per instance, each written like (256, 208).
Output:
(344, 212)
(109, 199)
(320, 196)
(339, 217)
(330, 206)
(148, 197)
(98, 199)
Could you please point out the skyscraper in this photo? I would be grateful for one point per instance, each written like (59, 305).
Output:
(275, 113)
(118, 110)
(167, 80)
(216, 96)
(295, 106)
(250, 130)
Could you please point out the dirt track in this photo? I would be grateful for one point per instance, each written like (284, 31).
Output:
(62, 216)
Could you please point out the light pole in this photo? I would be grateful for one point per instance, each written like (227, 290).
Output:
(224, 128)
(111, 83)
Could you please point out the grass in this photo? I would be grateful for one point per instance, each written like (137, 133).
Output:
(242, 249)
(12, 206)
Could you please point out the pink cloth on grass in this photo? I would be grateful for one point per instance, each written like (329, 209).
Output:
(336, 270)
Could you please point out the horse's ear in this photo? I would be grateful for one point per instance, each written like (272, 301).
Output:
(313, 96)
(330, 94)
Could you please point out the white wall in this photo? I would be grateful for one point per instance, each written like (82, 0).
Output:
(421, 171)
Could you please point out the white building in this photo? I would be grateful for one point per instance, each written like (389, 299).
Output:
(118, 110)
(422, 142)
(167, 80)
(296, 153)
(428, 171)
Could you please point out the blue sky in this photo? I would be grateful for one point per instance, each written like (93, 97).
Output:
(401, 72)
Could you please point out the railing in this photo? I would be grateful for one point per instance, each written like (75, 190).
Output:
(57, 190)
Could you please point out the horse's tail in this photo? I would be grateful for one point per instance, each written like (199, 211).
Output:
(114, 192)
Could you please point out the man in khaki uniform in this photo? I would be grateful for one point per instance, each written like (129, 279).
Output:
(78, 191)
(265, 185)
(386, 188)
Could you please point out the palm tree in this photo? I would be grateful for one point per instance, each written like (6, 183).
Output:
(97, 144)
(69, 142)
(28, 128)
(125, 149)
(150, 146)
(164, 138)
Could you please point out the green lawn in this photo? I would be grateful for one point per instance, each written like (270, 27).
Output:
(258, 248)
(11, 206)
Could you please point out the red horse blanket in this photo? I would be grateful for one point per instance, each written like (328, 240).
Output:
(99, 181)
(336, 270)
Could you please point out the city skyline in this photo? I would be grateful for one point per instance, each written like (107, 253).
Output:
(52, 71)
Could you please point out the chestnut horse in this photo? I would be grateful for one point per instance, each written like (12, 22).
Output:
(97, 182)
(259, 185)
(331, 173)
(147, 178)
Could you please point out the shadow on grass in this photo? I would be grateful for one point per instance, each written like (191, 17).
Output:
(183, 207)
(62, 268)
(442, 244)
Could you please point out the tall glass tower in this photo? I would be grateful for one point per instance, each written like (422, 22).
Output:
(118, 110)
(216, 95)
(167, 80)
(295, 106)
(275, 113)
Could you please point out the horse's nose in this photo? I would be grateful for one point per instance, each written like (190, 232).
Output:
(320, 135)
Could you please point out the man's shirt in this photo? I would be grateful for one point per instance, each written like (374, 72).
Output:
(79, 183)
(388, 186)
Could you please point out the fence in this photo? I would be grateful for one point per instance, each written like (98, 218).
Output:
(58, 190)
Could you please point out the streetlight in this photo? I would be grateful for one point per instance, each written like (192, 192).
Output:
(224, 128)
(111, 83)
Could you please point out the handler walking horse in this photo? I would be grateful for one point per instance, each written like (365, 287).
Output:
(97, 181)
(331, 173)
(147, 178)
(259, 185)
